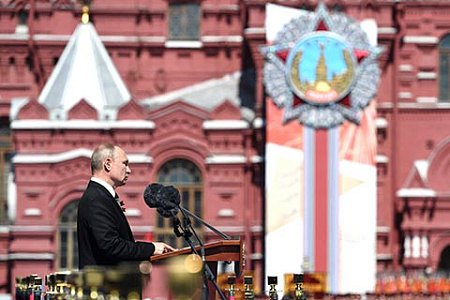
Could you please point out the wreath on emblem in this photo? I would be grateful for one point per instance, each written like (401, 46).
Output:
(321, 69)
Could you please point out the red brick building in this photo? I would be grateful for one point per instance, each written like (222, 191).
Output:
(178, 84)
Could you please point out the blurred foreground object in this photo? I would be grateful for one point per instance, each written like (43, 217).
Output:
(248, 288)
(185, 277)
(124, 281)
(272, 281)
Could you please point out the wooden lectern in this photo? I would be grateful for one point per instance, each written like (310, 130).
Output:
(223, 250)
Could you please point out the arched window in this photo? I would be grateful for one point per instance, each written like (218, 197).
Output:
(444, 67)
(5, 166)
(67, 237)
(186, 177)
(444, 260)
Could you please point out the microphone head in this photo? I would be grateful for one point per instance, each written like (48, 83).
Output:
(150, 193)
(168, 198)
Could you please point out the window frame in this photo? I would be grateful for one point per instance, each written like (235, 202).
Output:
(71, 255)
(444, 51)
(185, 18)
(164, 229)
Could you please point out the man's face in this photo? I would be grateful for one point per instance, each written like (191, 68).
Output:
(120, 169)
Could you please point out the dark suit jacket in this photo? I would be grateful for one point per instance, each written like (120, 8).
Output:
(104, 235)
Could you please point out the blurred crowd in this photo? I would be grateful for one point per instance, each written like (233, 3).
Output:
(415, 283)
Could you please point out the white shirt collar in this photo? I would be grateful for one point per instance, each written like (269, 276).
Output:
(105, 185)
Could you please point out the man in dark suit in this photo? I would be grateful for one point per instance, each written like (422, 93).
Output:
(104, 235)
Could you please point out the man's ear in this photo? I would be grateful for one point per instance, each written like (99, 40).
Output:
(107, 164)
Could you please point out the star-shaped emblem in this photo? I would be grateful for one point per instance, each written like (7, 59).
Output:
(321, 69)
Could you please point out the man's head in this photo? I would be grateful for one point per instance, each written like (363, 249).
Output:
(110, 163)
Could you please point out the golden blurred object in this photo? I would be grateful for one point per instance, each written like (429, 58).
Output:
(85, 15)
(145, 267)
(193, 263)
(133, 296)
(184, 282)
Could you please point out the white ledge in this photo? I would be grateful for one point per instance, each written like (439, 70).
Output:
(383, 229)
(257, 159)
(384, 256)
(65, 38)
(420, 39)
(256, 256)
(69, 155)
(426, 75)
(415, 193)
(140, 158)
(32, 212)
(381, 159)
(184, 44)
(255, 30)
(225, 125)
(81, 124)
(226, 212)
(31, 228)
(423, 105)
(381, 123)
(217, 38)
(133, 212)
(4, 257)
(132, 39)
(234, 7)
(387, 30)
(427, 99)
(385, 105)
(4, 229)
(256, 228)
(405, 95)
(405, 68)
(226, 159)
(31, 256)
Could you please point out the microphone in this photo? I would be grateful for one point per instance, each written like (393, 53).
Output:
(150, 193)
(168, 200)
(167, 203)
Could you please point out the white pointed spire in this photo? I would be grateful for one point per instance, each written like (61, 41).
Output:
(84, 71)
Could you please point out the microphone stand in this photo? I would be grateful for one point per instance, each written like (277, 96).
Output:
(220, 233)
(186, 231)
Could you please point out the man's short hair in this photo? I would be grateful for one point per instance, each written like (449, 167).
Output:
(99, 155)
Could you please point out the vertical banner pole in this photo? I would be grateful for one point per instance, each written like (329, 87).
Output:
(309, 196)
(321, 200)
(333, 209)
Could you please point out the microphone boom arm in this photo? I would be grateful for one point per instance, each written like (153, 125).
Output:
(223, 235)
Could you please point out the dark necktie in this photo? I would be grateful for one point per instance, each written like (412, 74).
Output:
(116, 197)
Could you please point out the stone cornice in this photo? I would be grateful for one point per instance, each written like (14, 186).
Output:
(69, 155)
(225, 125)
(28, 256)
(81, 124)
(415, 193)
(410, 39)
(59, 39)
(226, 159)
